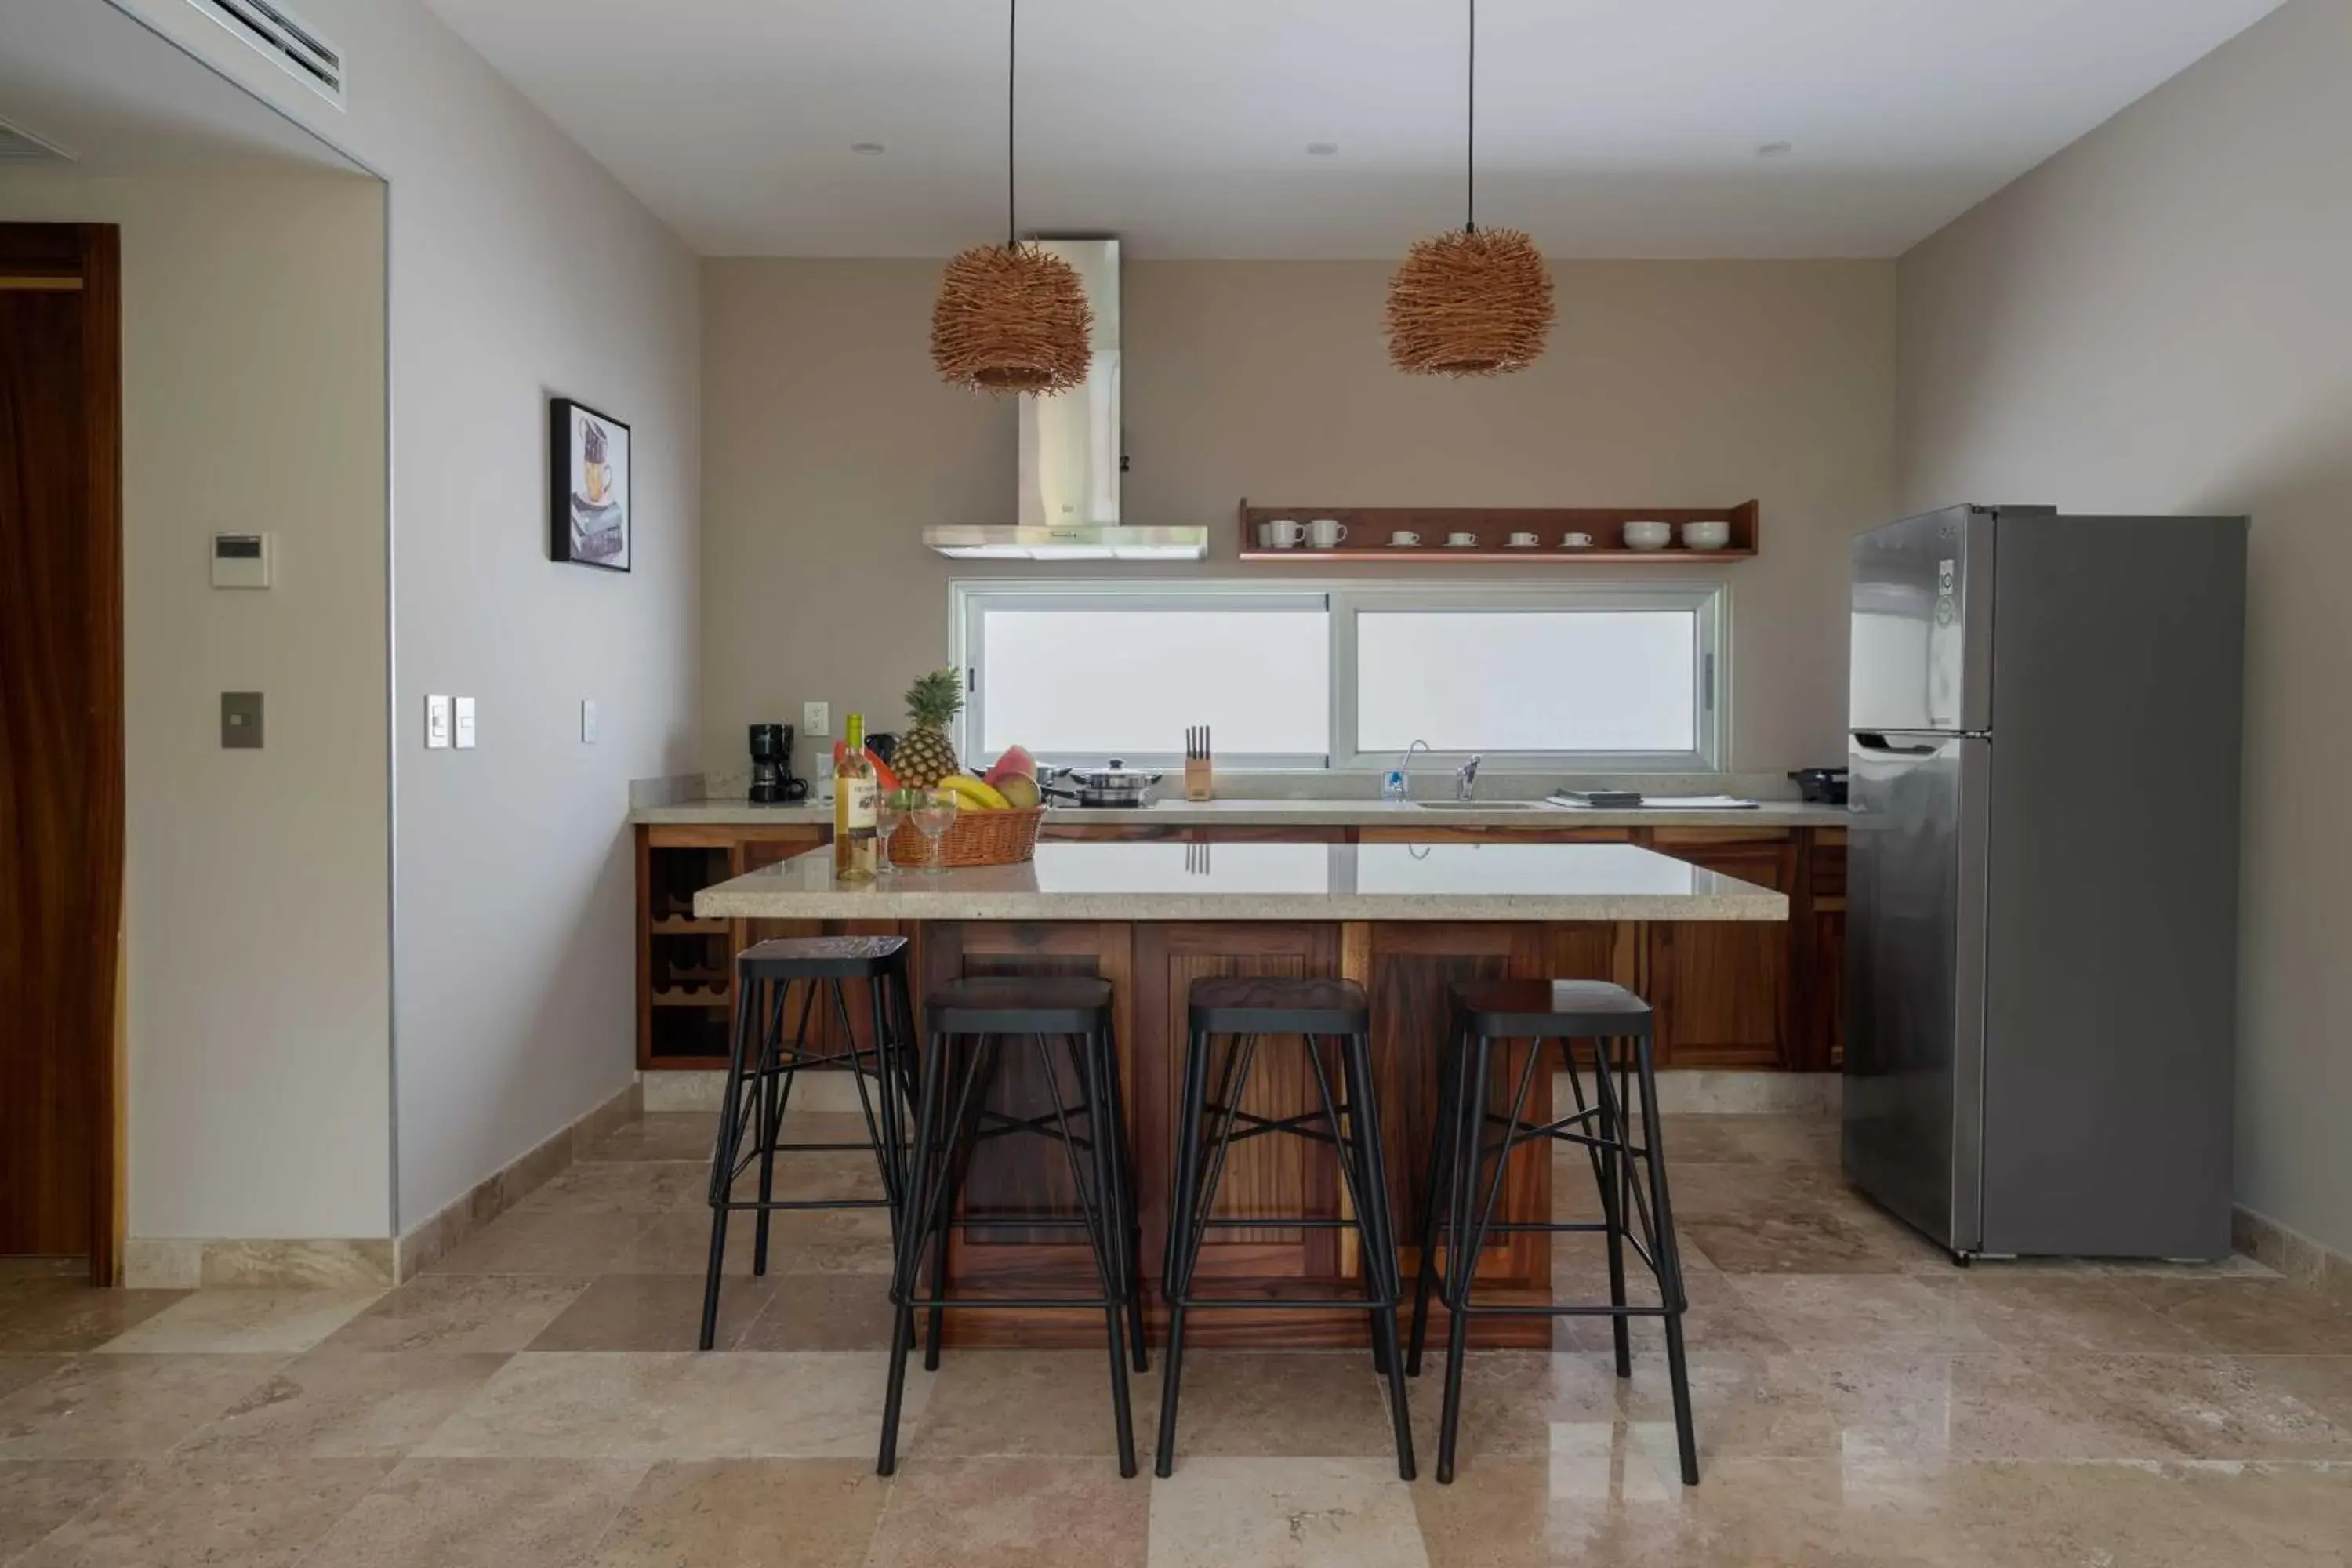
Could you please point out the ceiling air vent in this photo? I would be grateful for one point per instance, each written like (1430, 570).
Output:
(21, 146)
(292, 44)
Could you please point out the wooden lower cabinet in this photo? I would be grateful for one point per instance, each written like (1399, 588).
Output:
(686, 966)
(1723, 991)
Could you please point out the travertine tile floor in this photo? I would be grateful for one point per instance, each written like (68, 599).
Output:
(536, 1401)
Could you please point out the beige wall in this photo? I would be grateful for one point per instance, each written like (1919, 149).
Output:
(2155, 319)
(520, 270)
(829, 443)
(253, 383)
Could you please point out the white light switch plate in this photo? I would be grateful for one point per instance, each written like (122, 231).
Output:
(588, 721)
(816, 719)
(464, 724)
(437, 723)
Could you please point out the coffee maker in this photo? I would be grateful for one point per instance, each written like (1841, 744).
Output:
(772, 783)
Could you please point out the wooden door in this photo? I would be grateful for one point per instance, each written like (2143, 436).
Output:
(60, 740)
(1722, 988)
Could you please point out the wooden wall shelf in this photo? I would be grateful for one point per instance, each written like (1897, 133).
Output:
(1370, 527)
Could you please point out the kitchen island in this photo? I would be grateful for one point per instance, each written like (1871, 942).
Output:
(1405, 920)
(1745, 997)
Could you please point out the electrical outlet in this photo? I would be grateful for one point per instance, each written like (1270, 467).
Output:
(816, 719)
(462, 723)
(587, 721)
(437, 723)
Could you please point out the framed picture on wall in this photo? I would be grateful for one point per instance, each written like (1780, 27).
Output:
(589, 485)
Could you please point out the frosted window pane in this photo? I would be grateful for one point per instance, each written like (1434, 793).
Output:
(1105, 683)
(1589, 680)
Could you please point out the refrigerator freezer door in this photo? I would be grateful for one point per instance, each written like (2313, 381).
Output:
(2111, 995)
(1915, 976)
(1922, 632)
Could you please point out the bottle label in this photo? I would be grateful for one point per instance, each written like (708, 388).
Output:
(854, 800)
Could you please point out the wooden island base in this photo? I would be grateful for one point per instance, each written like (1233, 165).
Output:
(1405, 967)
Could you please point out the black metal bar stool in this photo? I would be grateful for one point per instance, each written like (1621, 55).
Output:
(967, 1023)
(1462, 1197)
(764, 1063)
(1242, 1010)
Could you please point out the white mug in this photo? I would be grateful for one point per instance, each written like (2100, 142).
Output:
(1280, 533)
(1461, 541)
(1326, 532)
(1404, 536)
(1576, 541)
(1523, 541)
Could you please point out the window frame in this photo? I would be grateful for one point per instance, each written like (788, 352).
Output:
(1707, 602)
(973, 598)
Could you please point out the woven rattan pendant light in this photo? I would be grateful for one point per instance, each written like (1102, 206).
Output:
(1476, 303)
(1012, 318)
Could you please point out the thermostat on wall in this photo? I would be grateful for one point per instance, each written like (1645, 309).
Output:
(242, 560)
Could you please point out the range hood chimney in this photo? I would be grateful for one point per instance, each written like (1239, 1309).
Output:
(1070, 456)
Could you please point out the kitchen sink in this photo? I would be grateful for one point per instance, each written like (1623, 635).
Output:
(1477, 806)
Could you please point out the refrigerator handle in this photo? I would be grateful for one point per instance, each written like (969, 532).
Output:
(1872, 740)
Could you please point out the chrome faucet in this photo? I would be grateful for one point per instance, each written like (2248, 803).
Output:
(1465, 777)
(1400, 784)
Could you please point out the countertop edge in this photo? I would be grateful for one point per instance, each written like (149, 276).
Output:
(1286, 814)
(875, 904)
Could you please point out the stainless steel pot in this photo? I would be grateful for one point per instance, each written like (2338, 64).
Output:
(1108, 788)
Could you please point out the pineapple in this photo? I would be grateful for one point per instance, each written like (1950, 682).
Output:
(925, 755)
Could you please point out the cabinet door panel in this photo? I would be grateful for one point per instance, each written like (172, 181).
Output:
(1821, 962)
(1410, 968)
(1722, 989)
(1265, 1176)
(1017, 1174)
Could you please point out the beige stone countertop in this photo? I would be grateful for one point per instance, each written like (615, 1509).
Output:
(1156, 880)
(1295, 814)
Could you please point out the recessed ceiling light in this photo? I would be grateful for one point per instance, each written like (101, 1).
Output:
(870, 148)
(1322, 149)
(1775, 149)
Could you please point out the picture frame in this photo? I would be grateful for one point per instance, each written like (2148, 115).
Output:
(589, 522)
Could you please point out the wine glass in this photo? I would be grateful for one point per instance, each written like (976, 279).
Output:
(889, 810)
(934, 814)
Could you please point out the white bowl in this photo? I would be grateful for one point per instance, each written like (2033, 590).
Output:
(1710, 535)
(1642, 535)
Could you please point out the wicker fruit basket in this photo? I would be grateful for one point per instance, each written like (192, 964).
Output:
(978, 838)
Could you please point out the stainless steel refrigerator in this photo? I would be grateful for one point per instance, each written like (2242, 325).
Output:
(2042, 878)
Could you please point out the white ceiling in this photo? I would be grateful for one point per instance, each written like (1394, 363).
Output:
(1606, 127)
(87, 79)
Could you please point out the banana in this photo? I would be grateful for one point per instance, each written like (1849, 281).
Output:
(977, 793)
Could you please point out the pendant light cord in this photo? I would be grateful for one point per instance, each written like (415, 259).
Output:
(1011, 58)
(1470, 137)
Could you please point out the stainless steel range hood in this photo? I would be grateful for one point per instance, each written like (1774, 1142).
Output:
(1070, 457)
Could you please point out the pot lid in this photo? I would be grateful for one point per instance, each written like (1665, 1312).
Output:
(1116, 777)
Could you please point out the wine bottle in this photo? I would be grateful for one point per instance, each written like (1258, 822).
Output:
(856, 847)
